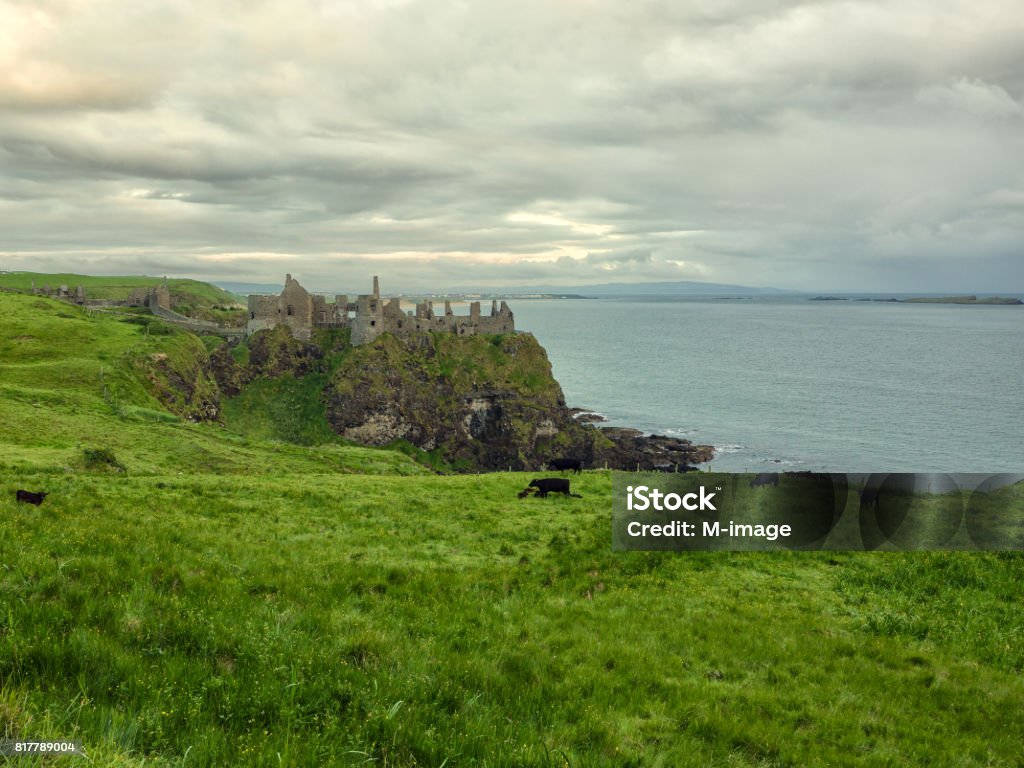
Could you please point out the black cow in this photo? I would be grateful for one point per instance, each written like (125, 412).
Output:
(27, 497)
(551, 485)
(765, 478)
(567, 463)
(868, 497)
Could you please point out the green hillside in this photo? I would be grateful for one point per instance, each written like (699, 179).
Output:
(187, 596)
(72, 380)
(117, 288)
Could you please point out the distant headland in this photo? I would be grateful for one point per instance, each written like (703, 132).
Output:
(986, 300)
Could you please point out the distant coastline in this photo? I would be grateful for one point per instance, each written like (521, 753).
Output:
(987, 300)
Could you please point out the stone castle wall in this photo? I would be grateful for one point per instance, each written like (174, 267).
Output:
(76, 296)
(297, 308)
(156, 296)
(370, 315)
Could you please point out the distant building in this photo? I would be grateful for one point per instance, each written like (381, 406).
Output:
(368, 316)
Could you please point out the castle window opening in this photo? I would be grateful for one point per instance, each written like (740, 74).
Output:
(289, 309)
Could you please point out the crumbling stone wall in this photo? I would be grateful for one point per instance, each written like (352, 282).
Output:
(297, 308)
(76, 296)
(155, 296)
(303, 312)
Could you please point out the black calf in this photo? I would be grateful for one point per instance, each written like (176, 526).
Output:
(550, 485)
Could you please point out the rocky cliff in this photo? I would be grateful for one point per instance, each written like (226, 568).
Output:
(478, 402)
(484, 401)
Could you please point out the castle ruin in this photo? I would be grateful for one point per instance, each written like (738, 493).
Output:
(369, 315)
(76, 296)
(155, 296)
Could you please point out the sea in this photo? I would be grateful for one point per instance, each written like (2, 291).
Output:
(791, 384)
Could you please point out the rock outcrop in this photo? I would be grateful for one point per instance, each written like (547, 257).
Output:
(631, 449)
(485, 402)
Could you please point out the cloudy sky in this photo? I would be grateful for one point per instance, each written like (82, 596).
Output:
(813, 145)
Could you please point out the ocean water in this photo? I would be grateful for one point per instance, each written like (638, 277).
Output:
(792, 384)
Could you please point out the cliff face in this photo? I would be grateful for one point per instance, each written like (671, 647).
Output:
(481, 402)
(484, 401)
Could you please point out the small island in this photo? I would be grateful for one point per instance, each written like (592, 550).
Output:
(963, 300)
(987, 300)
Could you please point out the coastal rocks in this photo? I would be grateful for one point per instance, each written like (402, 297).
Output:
(586, 416)
(631, 449)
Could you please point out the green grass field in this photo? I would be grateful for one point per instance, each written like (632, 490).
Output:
(234, 601)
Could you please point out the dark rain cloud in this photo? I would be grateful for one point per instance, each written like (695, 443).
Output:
(829, 145)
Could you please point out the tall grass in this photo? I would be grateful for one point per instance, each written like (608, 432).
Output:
(343, 620)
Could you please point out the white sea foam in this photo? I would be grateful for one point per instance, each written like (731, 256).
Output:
(730, 448)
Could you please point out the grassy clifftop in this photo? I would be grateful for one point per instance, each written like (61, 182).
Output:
(72, 380)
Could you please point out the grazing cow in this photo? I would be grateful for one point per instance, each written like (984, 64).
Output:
(868, 497)
(765, 478)
(551, 485)
(27, 497)
(566, 463)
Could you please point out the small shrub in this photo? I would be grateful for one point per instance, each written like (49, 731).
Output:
(240, 354)
(212, 342)
(102, 458)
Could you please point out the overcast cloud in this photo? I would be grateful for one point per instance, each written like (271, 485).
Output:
(812, 145)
